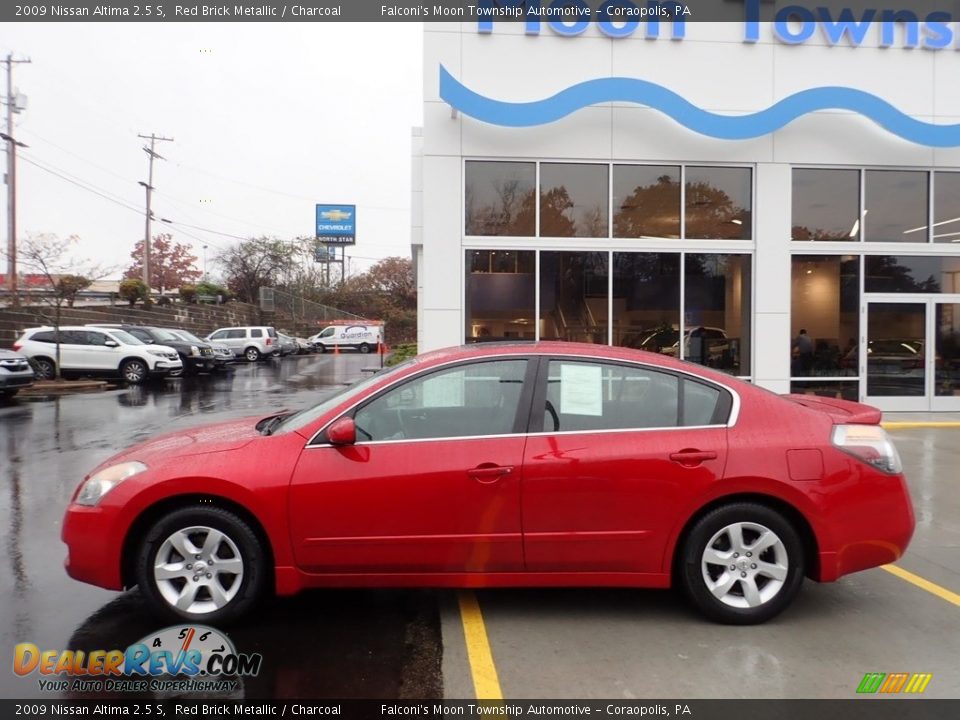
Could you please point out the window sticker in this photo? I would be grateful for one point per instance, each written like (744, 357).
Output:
(581, 389)
(445, 390)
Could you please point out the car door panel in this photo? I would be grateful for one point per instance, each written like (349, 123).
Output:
(432, 485)
(611, 463)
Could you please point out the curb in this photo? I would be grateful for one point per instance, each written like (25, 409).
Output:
(920, 424)
(79, 386)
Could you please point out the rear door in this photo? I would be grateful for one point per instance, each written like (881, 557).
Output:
(613, 451)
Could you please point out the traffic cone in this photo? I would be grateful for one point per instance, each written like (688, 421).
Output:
(336, 349)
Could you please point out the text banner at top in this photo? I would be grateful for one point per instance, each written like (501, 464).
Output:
(615, 13)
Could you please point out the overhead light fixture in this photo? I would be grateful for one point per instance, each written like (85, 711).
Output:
(924, 227)
(737, 222)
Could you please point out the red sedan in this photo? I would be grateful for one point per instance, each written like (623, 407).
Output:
(545, 464)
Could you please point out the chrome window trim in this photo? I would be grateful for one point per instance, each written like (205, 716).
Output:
(731, 421)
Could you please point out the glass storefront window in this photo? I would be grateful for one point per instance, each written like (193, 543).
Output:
(646, 301)
(824, 315)
(912, 274)
(573, 296)
(895, 206)
(840, 390)
(718, 203)
(717, 311)
(500, 198)
(646, 201)
(500, 295)
(947, 346)
(946, 206)
(574, 200)
(826, 204)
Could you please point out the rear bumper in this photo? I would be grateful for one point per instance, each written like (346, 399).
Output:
(873, 532)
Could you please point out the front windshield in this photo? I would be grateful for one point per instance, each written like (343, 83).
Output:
(126, 338)
(306, 416)
(165, 335)
(188, 336)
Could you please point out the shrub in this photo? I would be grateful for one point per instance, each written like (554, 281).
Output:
(132, 290)
(401, 352)
(188, 294)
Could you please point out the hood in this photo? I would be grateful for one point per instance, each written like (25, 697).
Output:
(842, 412)
(192, 441)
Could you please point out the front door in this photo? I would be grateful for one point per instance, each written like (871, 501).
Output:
(432, 484)
(910, 354)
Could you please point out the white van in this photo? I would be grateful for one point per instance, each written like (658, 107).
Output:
(357, 336)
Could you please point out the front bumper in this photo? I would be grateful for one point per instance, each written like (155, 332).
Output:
(10, 380)
(166, 367)
(93, 552)
(199, 364)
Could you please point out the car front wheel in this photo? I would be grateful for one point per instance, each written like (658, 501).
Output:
(203, 564)
(134, 371)
(742, 564)
(251, 354)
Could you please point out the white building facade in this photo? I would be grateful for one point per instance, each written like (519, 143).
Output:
(705, 190)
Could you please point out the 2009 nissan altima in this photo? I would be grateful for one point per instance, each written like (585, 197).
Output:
(499, 465)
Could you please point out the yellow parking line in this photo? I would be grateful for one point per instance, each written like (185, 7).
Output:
(486, 685)
(921, 424)
(940, 592)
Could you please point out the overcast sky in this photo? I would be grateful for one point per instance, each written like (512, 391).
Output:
(267, 120)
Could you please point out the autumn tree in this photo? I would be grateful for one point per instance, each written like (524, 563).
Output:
(172, 263)
(255, 263)
(65, 276)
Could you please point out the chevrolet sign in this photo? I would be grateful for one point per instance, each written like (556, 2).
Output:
(336, 224)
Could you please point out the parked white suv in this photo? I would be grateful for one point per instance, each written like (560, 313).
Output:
(251, 342)
(97, 351)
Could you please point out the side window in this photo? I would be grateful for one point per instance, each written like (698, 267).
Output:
(141, 335)
(699, 403)
(74, 337)
(45, 337)
(467, 400)
(256, 332)
(328, 332)
(219, 335)
(588, 396)
(236, 334)
(93, 338)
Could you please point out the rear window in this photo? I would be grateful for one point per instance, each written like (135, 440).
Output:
(271, 332)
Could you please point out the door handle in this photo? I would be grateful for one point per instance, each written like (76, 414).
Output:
(489, 473)
(691, 458)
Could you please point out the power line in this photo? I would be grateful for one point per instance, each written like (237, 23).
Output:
(83, 187)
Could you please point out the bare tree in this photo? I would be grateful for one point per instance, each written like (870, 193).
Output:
(50, 257)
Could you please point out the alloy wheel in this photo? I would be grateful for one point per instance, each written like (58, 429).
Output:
(198, 570)
(745, 565)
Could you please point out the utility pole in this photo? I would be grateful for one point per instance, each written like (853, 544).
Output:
(148, 185)
(12, 144)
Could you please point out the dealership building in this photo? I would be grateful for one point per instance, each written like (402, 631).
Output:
(777, 200)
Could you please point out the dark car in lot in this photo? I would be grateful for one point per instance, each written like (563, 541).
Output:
(196, 356)
(15, 373)
(499, 465)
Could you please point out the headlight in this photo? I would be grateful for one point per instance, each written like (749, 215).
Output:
(158, 353)
(98, 485)
(194, 350)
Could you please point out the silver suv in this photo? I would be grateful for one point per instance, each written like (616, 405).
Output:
(250, 342)
(97, 351)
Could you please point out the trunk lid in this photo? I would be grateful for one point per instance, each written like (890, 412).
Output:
(842, 412)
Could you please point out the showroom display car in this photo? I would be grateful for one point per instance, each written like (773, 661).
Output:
(495, 465)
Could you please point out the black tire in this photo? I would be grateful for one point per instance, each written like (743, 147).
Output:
(251, 354)
(252, 583)
(364, 348)
(323, 349)
(134, 372)
(739, 605)
(45, 367)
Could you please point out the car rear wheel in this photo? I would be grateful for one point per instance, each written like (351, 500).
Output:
(742, 564)
(251, 354)
(201, 564)
(364, 348)
(134, 371)
(46, 370)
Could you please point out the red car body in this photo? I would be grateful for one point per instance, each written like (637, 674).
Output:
(575, 508)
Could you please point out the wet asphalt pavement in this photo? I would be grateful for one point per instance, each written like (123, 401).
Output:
(344, 643)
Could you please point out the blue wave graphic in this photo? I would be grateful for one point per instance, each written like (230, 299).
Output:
(726, 127)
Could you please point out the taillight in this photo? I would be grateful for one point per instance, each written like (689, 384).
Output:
(269, 341)
(870, 444)
(16, 347)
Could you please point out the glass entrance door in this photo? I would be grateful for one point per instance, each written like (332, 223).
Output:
(911, 354)
(946, 351)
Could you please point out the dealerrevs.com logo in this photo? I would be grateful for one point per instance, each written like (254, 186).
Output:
(181, 658)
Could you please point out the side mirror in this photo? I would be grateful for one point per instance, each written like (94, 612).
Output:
(111, 343)
(342, 432)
